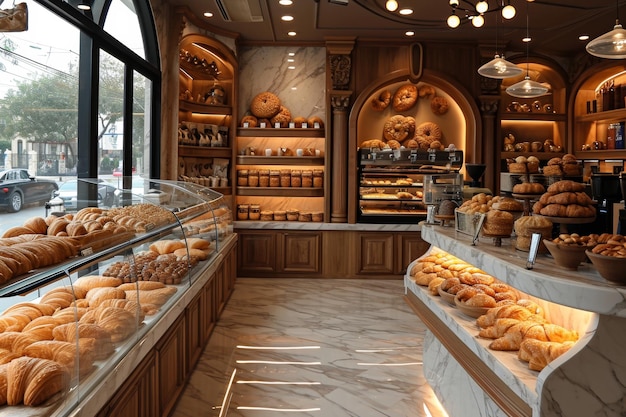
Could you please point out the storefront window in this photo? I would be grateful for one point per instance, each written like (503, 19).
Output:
(122, 23)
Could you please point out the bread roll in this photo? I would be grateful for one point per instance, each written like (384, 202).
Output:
(166, 246)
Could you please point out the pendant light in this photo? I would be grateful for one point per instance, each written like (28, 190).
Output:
(527, 88)
(612, 44)
(499, 67)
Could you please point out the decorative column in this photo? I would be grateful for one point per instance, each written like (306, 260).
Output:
(489, 150)
(338, 82)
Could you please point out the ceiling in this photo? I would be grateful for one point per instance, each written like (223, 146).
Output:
(554, 25)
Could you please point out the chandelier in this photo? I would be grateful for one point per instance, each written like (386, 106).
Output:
(475, 13)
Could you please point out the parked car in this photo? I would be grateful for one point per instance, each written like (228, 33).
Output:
(18, 187)
(68, 192)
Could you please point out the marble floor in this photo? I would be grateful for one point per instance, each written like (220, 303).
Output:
(320, 348)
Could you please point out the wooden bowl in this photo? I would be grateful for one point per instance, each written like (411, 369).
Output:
(471, 311)
(610, 268)
(446, 295)
(566, 256)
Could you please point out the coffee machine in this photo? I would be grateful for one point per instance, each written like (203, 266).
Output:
(606, 191)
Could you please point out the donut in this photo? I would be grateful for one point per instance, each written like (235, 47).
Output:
(394, 144)
(426, 91)
(297, 121)
(405, 97)
(314, 119)
(396, 128)
(265, 105)
(439, 105)
(429, 130)
(381, 101)
(251, 120)
(283, 117)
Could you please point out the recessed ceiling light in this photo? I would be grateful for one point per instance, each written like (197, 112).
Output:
(583, 37)
(286, 18)
(527, 39)
(409, 33)
(406, 12)
(291, 60)
(291, 54)
(291, 33)
(291, 67)
(208, 14)
(285, 2)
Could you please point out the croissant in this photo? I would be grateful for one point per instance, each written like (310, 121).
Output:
(512, 311)
(37, 225)
(41, 331)
(166, 246)
(514, 336)
(64, 353)
(97, 295)
(7, 356)
(16, 342)
(14, 322)
(69, 332)
(498, 329)
(34, 380)
(58, 299)
(32, 310)
(566, 185)
(156, 297)
(539, 353)
(142, 285)
(118, 322)
(4, 385)
(94, 281)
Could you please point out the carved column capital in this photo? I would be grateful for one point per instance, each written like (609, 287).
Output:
(489, 104)
(340, 100)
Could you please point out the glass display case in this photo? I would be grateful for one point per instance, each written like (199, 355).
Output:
(79, 289)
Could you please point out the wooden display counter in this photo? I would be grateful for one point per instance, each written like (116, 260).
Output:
(326, 250)
(472, 380)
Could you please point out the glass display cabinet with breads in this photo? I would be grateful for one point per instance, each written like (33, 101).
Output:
(207, 88)
(280, 174)
(81, 291)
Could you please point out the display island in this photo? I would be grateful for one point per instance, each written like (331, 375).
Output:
(470, 379)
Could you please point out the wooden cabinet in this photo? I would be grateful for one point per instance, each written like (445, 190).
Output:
(207, 86)
(328, 253)
(194, 321)
(171, 369)
(137, 396)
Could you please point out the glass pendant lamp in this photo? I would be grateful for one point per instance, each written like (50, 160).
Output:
(527, 88)
(499, 67)
(612, 44)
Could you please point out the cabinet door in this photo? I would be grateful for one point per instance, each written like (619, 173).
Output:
(195, 331)
(302, 252)
(409, 247)
(376, 255)
(257, 252)
(171, 366)
(209, 313)
(137, 396)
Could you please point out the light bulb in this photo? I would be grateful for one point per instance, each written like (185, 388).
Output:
(453, 21)
(454, 3)
(482, 6)
(391, 5)
(508, 12)
(478, 21)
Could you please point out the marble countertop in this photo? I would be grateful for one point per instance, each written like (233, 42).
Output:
(584, 289)
(506, 365)
(361, 227)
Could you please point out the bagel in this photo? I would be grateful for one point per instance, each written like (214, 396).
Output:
(426, 91)
(373, 143)
(396, 128)
(265, 105)
(314, 119)
(283, 117)
(405, 97)
(297, 121)
(381, 101)
(430, 131)
(439, 105)
(251, 120)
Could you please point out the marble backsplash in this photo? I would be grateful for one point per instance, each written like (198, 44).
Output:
(301, 89)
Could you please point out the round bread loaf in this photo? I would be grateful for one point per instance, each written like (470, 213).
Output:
(265, 105)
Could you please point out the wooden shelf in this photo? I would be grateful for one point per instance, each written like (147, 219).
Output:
(280, 191)
(544, 117)
(280, 160)
(208, 109)
(603, 116)
(543, 156)
(281, 132)
(604, 154)
(204, 151)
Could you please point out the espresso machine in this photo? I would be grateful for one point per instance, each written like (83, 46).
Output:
(606, 191)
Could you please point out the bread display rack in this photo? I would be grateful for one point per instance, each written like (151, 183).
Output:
(460, 367)
(109, 296)
(391, 182)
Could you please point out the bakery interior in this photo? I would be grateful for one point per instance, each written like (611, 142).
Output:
(357, 178)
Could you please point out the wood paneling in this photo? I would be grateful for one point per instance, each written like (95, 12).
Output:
(410, 246)
(302, 252)
(377, 253)
(257, 252)
(194, 331)
(170, 360)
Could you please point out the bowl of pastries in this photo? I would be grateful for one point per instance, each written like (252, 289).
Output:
(609, 259)
(568, 251)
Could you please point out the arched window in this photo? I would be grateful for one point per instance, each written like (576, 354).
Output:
(84, 80)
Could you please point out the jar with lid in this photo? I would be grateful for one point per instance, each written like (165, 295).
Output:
(296, 178)
(264, 178)
(243, 211)
(253, 178)
(255, 212)
(293, 215)
(280, 215)
(285, 178)
(274, 178)
(318, 178)
(242, 177)
(307, 178)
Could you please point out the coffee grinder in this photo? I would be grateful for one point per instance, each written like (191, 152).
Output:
(475, 171)
(606, 191)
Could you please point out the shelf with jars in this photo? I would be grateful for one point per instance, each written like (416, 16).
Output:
(533, 126)
(280, 174)
(207, 87)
